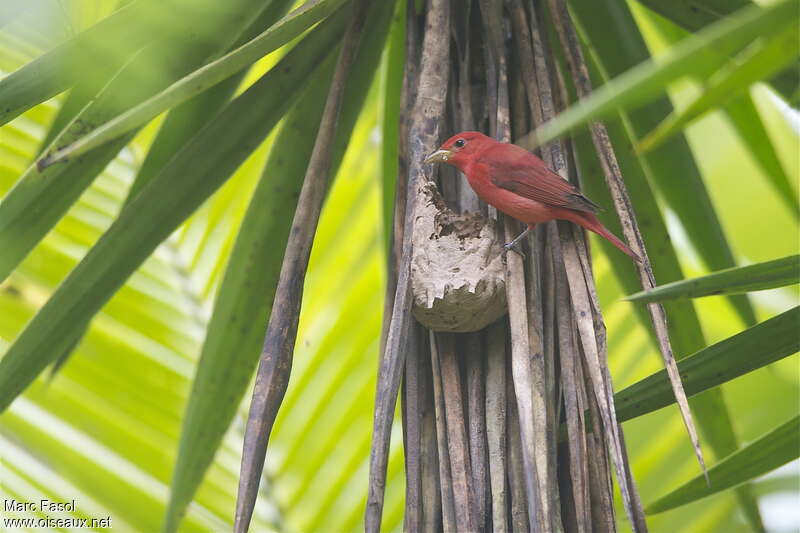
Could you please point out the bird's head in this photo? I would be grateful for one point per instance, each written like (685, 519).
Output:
(457, 149)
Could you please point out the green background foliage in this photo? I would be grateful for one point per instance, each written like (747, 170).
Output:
(105, 430)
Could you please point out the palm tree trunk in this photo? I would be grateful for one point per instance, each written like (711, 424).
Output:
(510, 427)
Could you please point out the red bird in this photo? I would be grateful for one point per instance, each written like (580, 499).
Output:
(520, 185)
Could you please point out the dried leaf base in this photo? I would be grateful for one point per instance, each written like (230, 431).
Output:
(511, 426)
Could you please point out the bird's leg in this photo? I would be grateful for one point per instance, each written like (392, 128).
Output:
(511, 245)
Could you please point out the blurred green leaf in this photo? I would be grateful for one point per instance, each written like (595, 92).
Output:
(236, 329)
(768, 57)
(772, 450)
(105, 432)
(188, 118)
(776, 484)
(237, 326)
(685, 332)
(746, 119)
(737, 280)
(277, 35)
(735, 356)
(750, 127)
(40, 199)
(76, 99)
(694, 15)
(687, 197)
(205, 107)
(190, 178)
(60, 68)
(644, 82)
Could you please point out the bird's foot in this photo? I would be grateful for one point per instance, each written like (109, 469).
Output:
(515, 247)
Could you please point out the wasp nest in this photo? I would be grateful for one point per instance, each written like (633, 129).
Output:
(457, 272)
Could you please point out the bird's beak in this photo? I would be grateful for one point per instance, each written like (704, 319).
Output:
(439, 156)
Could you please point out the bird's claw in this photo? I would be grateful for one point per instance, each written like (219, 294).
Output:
(513, 247)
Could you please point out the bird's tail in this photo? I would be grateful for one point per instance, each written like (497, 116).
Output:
(590, 222)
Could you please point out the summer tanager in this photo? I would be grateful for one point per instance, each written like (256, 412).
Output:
(520, 185)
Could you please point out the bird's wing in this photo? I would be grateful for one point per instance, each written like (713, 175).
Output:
(521, 172)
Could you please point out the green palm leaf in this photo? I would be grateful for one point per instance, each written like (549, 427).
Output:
(143, 422)
(772, 450)
(769, 56)
(277, 35)
(150, 218)
(39, 199)
(749, 350)
(737, 280)
(642, 83)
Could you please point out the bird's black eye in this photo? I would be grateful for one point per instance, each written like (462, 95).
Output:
(460, 143)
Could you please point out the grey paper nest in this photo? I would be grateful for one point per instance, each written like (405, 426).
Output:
(457, 272)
